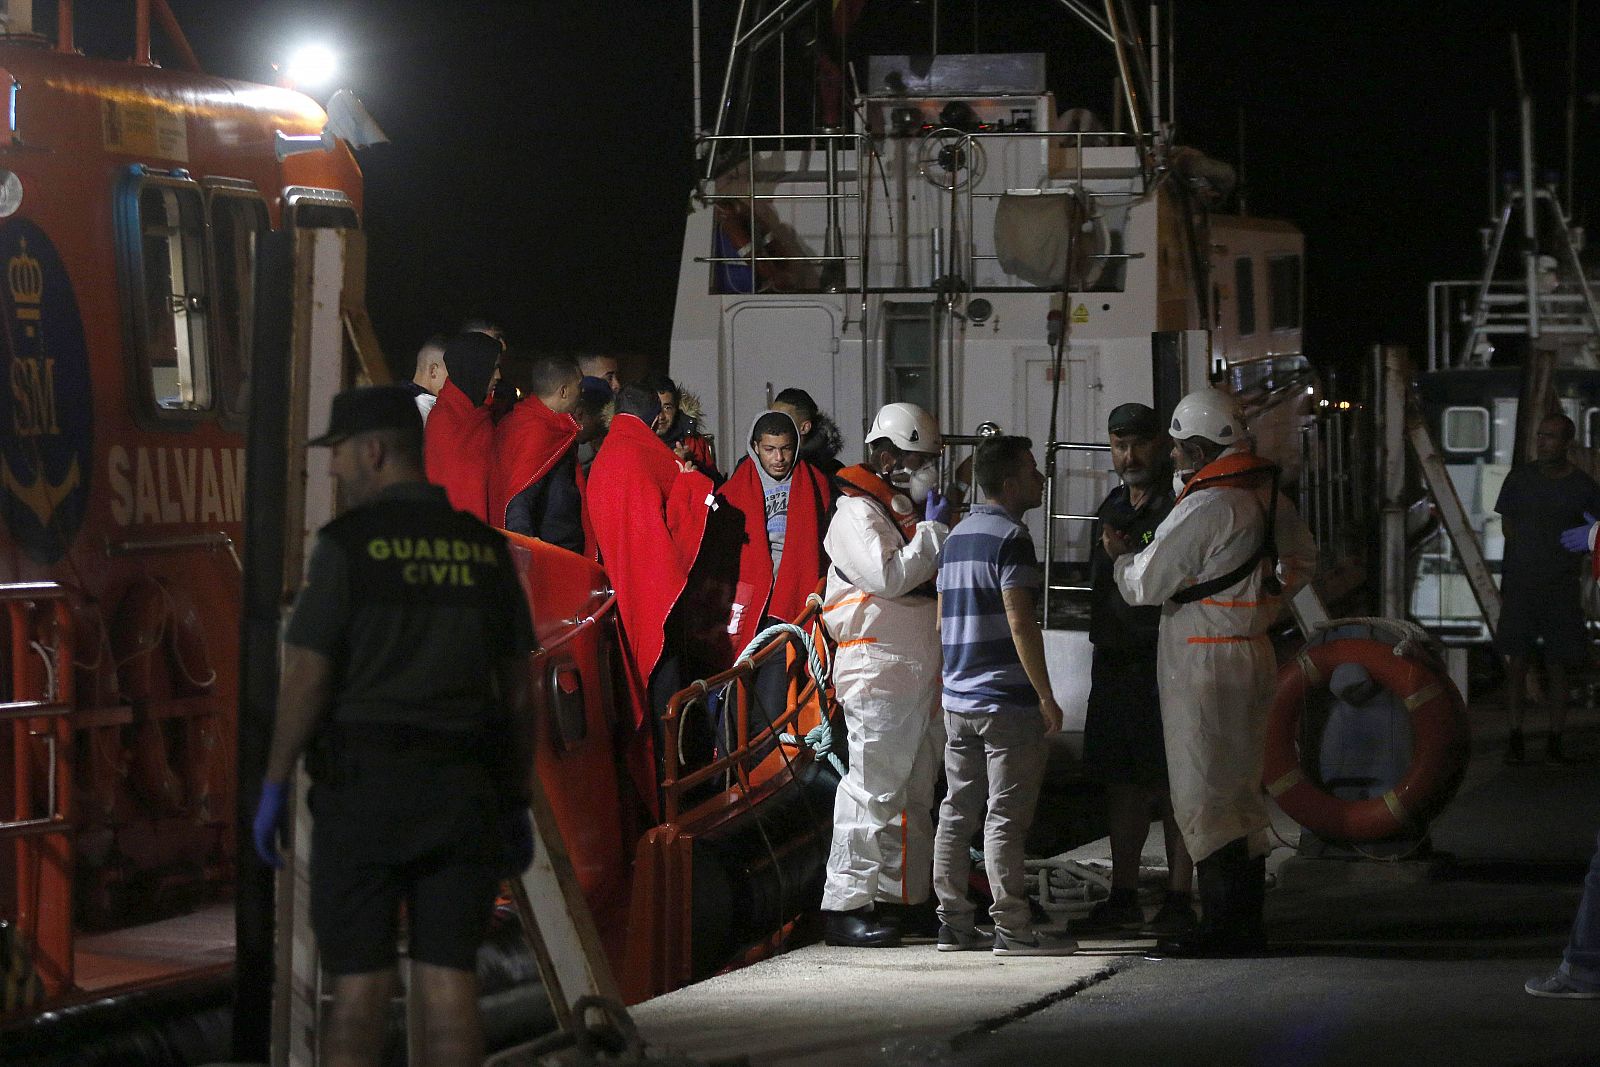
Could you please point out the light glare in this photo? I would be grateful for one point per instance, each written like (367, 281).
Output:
(312, 66)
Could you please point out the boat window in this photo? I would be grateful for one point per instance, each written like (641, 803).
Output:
(1591, 428)
(1283, 273)
(909, 340)
(237, 223)
(1244, 291)
(319, 209)
(171, 297)
(1466, 429)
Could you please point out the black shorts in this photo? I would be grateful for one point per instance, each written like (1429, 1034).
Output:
(388, 828)
(1122, 742)
(1551, 616)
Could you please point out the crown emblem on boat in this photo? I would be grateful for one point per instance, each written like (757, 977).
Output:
(26, 279)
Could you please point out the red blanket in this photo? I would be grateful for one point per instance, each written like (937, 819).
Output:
(759, 591)
(527, 443)
(648, 517)
(458, 440)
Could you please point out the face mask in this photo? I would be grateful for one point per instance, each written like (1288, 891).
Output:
(1180, 479)
(921, 482)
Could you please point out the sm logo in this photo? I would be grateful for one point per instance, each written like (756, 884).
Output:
(45, 406)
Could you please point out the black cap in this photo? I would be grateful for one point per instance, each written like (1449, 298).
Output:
(368, 408)
(1133, 418)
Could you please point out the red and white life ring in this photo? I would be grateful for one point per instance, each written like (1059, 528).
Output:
(1439, 744)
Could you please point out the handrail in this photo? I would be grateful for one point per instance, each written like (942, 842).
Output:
(579, 625)
(1051, 516)
(738, 757)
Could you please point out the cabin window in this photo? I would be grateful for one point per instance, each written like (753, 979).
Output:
(1466, 429)
(173, 305)
(237, 223)
(319, 209)
(1283, 273)
(1591, 428)
(1244, 293)
(910, 338)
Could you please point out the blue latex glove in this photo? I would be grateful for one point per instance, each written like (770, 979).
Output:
(517, 824)
(936, 508)
(269, 819)
(1577, 538)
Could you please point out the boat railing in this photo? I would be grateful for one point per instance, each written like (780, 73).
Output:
(1336, 497)
(755, 174)
(1461, 328)
(1054, 494)
(742, 752)
(43, 697)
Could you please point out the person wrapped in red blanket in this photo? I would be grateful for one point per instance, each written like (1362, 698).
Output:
(459, 436)
(784, 502)
(648, 511)
(536, 486)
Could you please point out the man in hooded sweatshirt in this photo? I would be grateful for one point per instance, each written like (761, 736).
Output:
(820, 441)
(460, 431)
(535, 485)
(784, 501)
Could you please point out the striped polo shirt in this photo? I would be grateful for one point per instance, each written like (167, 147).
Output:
(986, 554)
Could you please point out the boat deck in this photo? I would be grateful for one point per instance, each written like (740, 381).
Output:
(201, 939)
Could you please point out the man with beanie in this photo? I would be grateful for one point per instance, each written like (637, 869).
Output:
(460, 431)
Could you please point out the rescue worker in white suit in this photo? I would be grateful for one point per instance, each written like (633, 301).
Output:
(1211, 568)
(880, 608)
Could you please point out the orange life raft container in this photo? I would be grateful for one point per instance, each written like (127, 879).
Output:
(1438, 752)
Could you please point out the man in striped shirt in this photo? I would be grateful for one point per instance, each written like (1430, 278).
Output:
(997, 705)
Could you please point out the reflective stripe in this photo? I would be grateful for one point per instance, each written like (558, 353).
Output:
(847, 601)
(1397, 809)
(1310, 670)
(905, 858)
(858, 641)
(1286, 783)
(1416, 700)
(1225, 640)
(1263, 602)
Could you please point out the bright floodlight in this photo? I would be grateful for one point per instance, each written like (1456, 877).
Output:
(312, 66)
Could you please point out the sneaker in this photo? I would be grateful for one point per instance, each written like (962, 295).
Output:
(1038, 945)
(1560, 987)
(953, 940)
(1175, 918)
(1112, 914)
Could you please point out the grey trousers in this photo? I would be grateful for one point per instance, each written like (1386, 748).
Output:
(995, 759)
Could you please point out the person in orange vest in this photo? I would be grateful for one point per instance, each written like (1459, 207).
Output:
(535, 485)
(880, 609)
(1222, 565)
(460, 429)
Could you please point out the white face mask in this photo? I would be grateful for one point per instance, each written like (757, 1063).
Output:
(921, 482)
(1180, 479)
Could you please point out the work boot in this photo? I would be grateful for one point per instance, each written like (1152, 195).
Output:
(1233, 892)
(1515, 752)
(860, 928)
(1175, 918)
(1118, 912)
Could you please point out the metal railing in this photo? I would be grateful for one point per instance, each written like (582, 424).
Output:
(1455, 325)
(1336, 497)
(1052, 517)
(744, 752)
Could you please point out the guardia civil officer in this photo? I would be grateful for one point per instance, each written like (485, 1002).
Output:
(404, 674)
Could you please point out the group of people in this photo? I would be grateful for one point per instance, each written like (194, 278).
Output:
(938, 664)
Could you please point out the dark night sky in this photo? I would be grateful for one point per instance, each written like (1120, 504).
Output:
(541, 158)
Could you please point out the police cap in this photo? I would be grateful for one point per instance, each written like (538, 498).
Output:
(369, 408)
(1133, 418)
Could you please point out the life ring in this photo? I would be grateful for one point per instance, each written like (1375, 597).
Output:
(1438, 750)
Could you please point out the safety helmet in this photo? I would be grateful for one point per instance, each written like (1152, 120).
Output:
(907, 427)
(1208, 413)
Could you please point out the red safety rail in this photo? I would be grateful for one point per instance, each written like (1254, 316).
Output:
(745, 754)
(43, 698)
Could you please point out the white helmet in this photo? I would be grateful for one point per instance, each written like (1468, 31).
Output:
(1208, 413)
(907, 427)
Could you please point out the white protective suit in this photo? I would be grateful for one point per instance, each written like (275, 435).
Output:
(1216, 667)
(887, 679)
